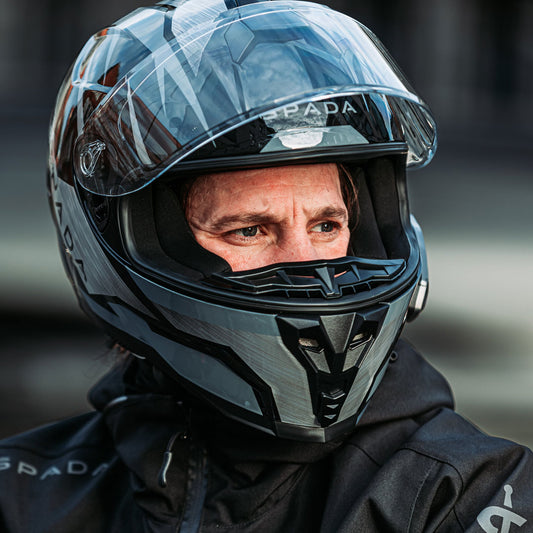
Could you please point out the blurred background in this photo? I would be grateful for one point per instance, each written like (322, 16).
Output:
(471, 61)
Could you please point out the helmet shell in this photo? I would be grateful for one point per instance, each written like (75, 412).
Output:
(160, 84)
(178, 89)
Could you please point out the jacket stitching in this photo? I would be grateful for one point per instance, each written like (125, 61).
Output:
(415, 500)
(435, 458)
(441, 461)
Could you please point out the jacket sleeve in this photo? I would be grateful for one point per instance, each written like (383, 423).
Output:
(473, 482)
(448, 477)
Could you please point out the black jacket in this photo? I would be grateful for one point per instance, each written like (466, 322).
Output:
(412, 465)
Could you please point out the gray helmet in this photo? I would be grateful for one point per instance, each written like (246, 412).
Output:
(188, 87)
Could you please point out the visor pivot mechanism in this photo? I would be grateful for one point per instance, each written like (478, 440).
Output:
(89, 157)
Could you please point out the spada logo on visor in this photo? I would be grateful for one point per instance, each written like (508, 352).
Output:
(89, 157)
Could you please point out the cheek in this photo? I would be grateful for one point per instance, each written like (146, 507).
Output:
(238, 257)
(239, 263)
(338, 247)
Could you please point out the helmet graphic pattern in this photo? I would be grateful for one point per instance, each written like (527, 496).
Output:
(189, 87)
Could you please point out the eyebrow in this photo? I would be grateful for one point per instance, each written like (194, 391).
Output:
(340, 213)
(243, 220)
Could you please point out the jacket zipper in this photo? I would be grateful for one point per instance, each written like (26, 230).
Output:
(196, 489)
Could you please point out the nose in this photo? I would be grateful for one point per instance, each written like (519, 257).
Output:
(294, 246)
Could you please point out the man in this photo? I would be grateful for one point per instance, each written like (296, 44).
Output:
(228, 185)
(255, 218)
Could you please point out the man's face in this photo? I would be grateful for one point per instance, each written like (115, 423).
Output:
(254, 218)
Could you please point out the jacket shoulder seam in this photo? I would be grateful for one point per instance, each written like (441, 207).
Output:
(432, 456)
(424, 481)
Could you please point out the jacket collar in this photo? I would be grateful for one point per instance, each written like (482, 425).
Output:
(143, 414)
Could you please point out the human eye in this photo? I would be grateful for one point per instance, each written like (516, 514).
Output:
(325, 227)
(250, 231)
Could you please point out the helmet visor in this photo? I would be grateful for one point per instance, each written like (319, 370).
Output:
(272, 61)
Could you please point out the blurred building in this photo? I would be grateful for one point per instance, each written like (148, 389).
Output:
(471, 61)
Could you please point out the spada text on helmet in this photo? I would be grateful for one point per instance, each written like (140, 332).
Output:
(328, 107)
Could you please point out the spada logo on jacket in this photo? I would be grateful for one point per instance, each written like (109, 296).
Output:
(501, 515)
(72, 467)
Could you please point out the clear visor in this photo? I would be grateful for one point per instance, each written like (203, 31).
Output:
(288, 64)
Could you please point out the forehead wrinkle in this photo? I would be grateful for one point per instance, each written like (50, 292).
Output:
(265, 210)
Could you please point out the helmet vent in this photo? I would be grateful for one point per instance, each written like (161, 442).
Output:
(308, 343)
(360, 338)
(316, 279)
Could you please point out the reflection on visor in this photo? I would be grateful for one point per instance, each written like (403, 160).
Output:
(349, 122)
(296, 67)
(314, 138)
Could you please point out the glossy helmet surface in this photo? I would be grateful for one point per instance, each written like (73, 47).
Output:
(194, 86)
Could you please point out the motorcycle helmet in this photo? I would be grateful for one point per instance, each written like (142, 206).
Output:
(189, 87)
